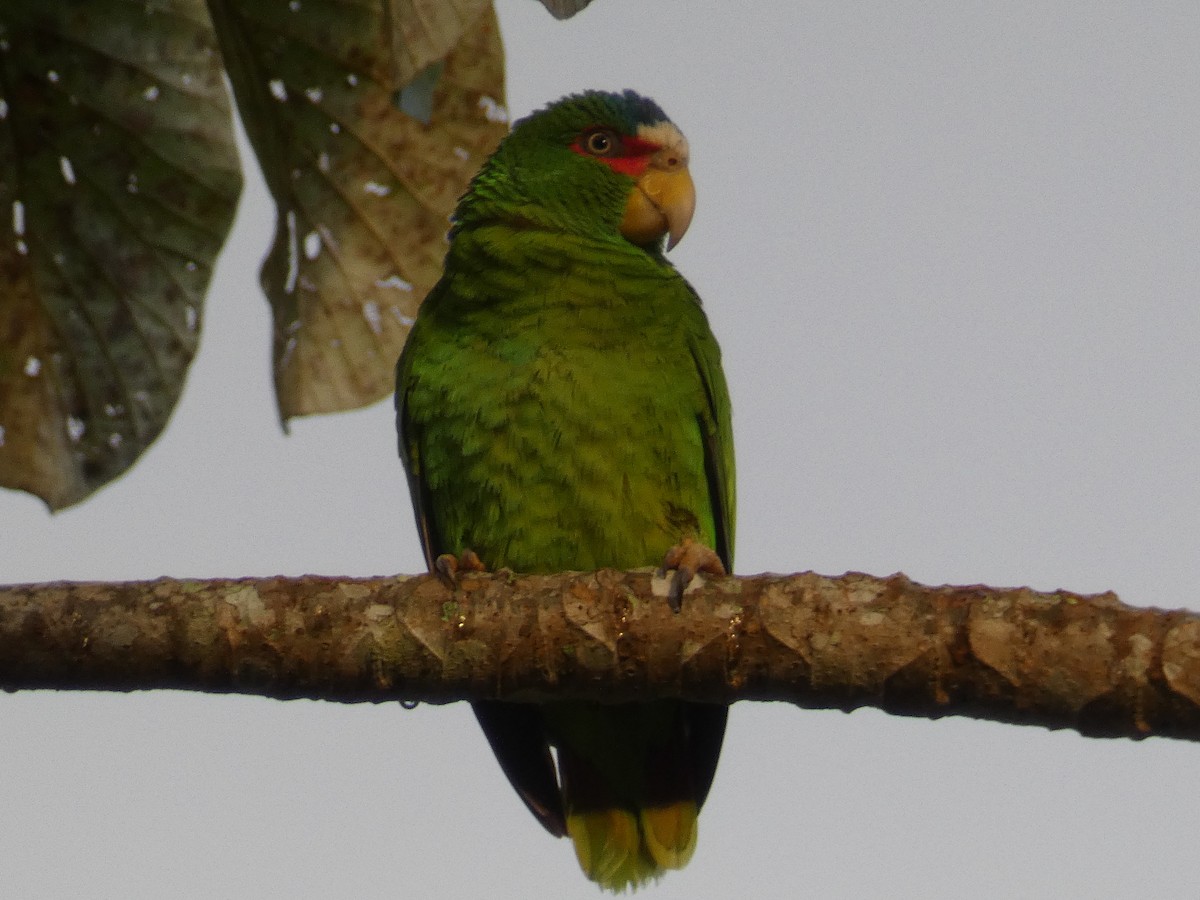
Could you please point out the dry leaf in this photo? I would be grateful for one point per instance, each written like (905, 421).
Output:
(119, 176)
(363, 189)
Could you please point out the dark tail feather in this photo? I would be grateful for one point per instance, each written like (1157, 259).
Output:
(706, 732)
(517, 734)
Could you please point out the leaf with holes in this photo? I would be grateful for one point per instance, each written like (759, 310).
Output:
(119, 176)
(368, 121)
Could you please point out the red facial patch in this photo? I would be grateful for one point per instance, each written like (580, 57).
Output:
(630, 156)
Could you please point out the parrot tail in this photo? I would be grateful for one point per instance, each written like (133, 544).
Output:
(626, 781)
(631, 792)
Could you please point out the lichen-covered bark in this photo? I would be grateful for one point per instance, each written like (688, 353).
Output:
(1059, 660)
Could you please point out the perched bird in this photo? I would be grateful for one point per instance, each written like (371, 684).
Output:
(561, 406)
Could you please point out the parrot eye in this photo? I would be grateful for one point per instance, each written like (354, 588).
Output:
(601, 142)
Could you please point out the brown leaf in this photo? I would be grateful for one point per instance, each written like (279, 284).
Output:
(363, 189)
(119, 177)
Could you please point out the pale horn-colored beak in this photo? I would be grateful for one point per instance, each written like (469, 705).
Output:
(662, 201)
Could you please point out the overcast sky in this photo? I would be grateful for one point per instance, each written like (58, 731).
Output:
(952, 253)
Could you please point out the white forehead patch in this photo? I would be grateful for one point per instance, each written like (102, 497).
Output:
(666, 135)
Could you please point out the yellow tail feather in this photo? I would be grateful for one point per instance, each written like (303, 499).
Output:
(608, 847)
(620, 849)
(669, 833)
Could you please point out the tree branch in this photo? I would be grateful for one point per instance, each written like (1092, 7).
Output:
(1058, 660)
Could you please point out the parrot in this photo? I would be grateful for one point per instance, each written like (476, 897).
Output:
(561, 406)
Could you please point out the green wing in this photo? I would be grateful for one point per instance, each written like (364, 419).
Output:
(409, 438)
(716, 429)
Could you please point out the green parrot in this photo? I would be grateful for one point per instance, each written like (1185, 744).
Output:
(561, 406)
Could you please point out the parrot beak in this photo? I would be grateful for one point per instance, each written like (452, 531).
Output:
(663, 199)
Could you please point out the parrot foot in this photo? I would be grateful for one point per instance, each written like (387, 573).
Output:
(448, 566)
(687, 558)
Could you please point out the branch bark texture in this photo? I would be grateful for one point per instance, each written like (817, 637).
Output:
(1059, 660)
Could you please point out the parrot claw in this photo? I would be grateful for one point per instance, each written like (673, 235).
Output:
(448, 566)
(688, 558)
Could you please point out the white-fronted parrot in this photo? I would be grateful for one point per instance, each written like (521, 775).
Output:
(561, 406)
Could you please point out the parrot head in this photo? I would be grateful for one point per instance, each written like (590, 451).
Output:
(597, 164)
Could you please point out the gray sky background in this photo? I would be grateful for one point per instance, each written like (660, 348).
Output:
(952, 252)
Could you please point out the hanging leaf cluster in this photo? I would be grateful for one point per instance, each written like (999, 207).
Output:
(119, 177)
